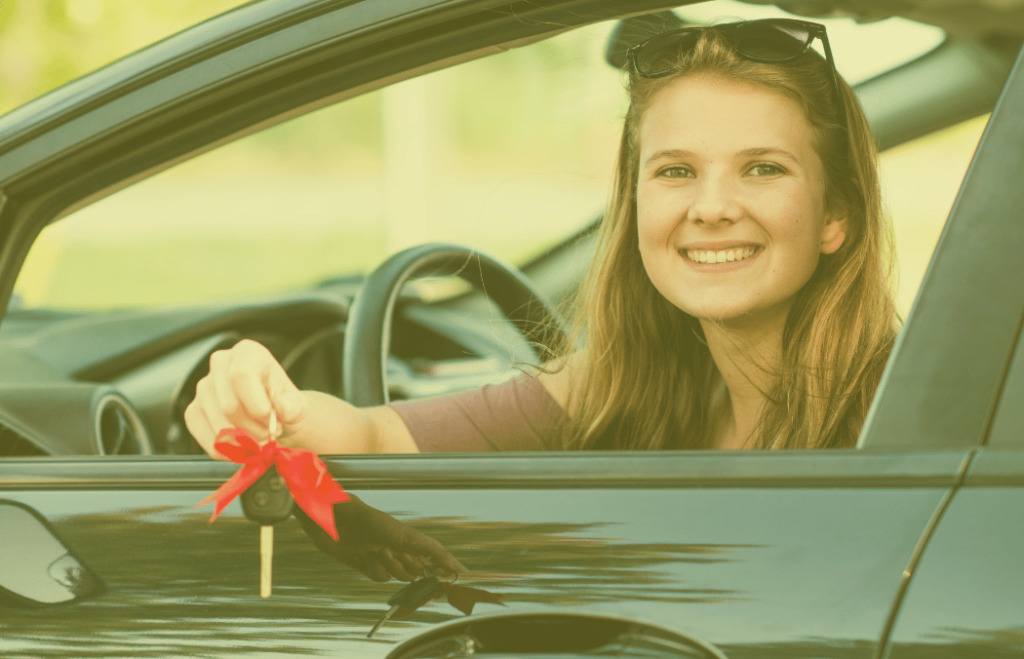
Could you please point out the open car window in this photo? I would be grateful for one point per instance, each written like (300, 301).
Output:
(511, 154)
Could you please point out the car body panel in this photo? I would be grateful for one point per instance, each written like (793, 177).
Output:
(805, 556)
(967, 595)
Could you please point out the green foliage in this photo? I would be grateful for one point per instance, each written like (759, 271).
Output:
(510, 153)
(46, 43)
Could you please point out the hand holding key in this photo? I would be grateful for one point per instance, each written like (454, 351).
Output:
(301, 474)
(268, 502)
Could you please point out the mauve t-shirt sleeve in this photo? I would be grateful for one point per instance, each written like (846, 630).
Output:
(517, 415)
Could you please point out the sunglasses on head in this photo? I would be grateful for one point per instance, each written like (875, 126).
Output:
(768, 40)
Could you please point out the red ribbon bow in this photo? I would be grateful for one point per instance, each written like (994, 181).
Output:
(303, 472)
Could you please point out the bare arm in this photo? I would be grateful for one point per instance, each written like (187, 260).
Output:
(373, 430)
(245, 382)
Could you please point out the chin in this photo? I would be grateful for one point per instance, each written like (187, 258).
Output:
(716, 313)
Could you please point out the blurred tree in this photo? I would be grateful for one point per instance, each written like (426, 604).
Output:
(45, 43)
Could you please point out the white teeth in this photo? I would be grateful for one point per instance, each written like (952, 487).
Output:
(723, 256)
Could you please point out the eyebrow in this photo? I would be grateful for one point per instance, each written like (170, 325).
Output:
(755, 152)
(673, 154)
(768, 151)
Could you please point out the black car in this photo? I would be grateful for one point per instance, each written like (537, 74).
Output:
(175, 229)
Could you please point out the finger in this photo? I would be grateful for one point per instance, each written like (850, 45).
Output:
(222, 378)
(413, 563)
(374, 570)
(418, 543)
(200, 429)
(394, 566)
(218, 397)
(260, 383)
(440, 573)
(206, 397)
(288, 401)
(241, 372)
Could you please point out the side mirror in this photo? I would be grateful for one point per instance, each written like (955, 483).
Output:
(37, 567)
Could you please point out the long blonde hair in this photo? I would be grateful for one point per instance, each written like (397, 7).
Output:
(647, 376)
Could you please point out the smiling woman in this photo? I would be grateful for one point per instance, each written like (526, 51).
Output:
(782, 348)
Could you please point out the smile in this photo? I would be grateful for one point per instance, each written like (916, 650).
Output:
(719, 256)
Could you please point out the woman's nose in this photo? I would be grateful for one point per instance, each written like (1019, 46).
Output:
(714, 201)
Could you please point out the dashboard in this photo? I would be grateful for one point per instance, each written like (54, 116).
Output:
(118, 382)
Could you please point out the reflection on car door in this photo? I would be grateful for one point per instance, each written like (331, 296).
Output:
(761, 554)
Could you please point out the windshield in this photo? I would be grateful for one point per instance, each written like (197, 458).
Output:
(510, 154)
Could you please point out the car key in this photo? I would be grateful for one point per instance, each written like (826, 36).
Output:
(267, 502)
(413, 596)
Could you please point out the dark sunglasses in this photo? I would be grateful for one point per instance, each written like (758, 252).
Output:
(767, 40)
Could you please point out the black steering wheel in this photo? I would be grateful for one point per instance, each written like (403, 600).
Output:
(368, 329)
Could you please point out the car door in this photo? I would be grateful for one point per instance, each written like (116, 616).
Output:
(966, 592)
(756, 554)
(761, 555)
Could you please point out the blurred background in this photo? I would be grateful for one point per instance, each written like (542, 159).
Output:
(511, 154)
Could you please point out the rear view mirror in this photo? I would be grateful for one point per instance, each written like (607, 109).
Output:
(37, 567)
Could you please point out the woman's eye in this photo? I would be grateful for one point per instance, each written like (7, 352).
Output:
(675, 172)
(765, 169)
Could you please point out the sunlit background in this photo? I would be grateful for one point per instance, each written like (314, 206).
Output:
(510, 154)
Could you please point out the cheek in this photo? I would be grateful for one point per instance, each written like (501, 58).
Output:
(655, 219)
(798, 222)
(800, 241)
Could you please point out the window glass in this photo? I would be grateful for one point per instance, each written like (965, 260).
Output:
(920, 181)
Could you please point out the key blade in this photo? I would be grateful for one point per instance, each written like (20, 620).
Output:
(382, 621)
(266, 559)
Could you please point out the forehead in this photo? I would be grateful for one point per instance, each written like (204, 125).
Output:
(718, 116)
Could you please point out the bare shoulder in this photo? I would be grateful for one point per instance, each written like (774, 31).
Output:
(558, 382)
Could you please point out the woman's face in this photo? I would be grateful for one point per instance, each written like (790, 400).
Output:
(730, 200)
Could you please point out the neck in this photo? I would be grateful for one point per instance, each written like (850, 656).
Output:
(748, 360)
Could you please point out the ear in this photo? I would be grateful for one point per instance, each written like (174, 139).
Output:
(833, 234)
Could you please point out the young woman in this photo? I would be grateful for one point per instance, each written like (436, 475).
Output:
(739, 295)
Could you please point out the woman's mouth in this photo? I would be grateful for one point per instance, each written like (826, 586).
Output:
(712, 256)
